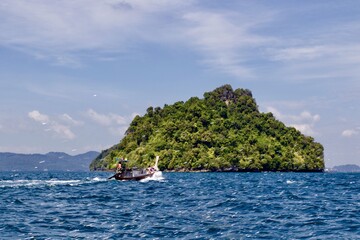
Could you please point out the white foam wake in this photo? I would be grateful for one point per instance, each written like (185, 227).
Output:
(31, 183)
(156, 177)
(51, 182)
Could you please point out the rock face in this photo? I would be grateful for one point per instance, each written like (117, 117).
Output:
(224, 131)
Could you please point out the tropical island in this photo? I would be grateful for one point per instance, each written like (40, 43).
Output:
(224, 131)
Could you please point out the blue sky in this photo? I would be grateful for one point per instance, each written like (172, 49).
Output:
(73, 74)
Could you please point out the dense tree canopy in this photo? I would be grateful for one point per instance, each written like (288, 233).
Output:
(224, 131)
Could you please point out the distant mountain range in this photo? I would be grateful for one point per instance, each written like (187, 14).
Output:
(52, 161)
(345, 168)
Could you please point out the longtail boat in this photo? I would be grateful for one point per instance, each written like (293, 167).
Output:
(126, 174)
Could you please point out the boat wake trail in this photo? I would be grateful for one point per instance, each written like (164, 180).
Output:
(47, 183)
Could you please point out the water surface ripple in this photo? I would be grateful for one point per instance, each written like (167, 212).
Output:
(180, 206)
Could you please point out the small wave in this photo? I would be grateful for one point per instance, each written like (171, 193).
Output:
(290, 182)
(62, 182)
(97, 179)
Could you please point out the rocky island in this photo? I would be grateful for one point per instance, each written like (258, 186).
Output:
(224, 131)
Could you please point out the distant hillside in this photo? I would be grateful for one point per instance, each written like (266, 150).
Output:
(53, 161)
(346, 168)
(224, 131)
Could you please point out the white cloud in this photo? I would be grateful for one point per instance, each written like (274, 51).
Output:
(114, 123)
(53, 126)
(306, 129)
(101, 119)
(275, 112)
(305, 116)
(304, 122)
(350, 132)
(118, 131)
(68, 119)
(62, 130)
(37, 116)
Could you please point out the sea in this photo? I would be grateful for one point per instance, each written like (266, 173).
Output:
(86, 205)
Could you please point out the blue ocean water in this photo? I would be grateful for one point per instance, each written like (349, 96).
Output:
(63, 205)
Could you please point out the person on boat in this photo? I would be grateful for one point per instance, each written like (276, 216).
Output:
(150, 169)
(119, 167)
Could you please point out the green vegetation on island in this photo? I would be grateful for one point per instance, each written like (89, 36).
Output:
(224, 131)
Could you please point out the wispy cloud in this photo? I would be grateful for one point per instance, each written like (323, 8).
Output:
(68, 119)
(65, 30)
(62, 130)
(330, 53)
(53, 126)
(304, 122)
(227, 40)
(323, 57)
(351, 132)
(106, 120)
(115, 123)
(299, 53)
